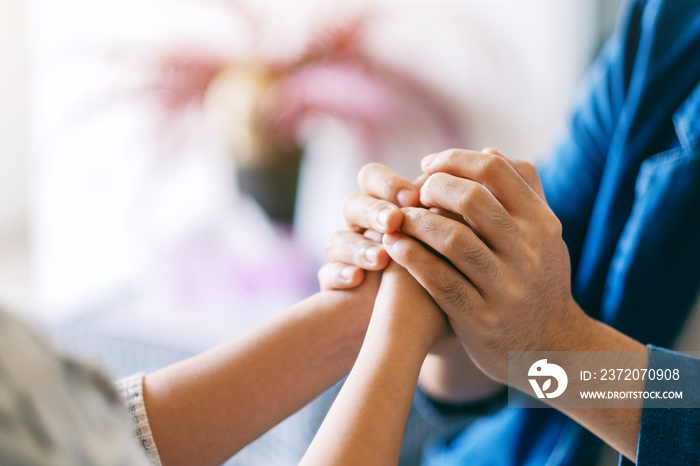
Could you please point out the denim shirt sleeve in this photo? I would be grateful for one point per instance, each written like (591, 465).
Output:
(671, 435)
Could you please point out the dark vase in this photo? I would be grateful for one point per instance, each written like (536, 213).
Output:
(273, 185)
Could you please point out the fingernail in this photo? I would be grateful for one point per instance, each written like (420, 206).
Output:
(383, 216)
(428, 161)
(406, 198)
(371, 253)
(347, 272)
(391, 239)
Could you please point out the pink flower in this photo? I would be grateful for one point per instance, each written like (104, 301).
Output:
(259, 106)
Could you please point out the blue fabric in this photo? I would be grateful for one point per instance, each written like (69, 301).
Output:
(668, 434)
(626, 185)
(670, 428)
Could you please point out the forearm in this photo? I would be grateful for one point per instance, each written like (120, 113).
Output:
(618, 427)
(366, 424)
(452, 377)
(206, 408)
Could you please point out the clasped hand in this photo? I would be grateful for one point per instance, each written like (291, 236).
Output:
(476, 232)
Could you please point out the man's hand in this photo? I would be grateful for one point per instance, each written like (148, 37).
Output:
(506, 286)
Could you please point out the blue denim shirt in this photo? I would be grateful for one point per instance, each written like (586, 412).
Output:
(626, 185)
(671, 435)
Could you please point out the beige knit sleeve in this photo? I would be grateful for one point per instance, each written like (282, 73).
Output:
(131, 389)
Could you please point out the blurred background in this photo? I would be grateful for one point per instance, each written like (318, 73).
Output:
(169, 170)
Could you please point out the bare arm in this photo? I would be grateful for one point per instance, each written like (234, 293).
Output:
(452, 377)
(206, 408)
(366, 424)
(618, 427)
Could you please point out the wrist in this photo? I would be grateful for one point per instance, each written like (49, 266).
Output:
(396, 353)
(581, 332)
(573, 330)
(409, 332)
(452, 378)
(348, 311)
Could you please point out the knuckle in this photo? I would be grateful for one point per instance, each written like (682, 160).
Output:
(480, 260)
(452, 156)
(468, 250)
(557, 228)
(528, 169)
(528, 251)
(504, 222)
(476, 255)
(455, 295)
(409, 255)
(552, 226)
(386, 188)
(493, 166)
(470, 194)
(517, 292)
(452, 240)
(436, 185)
(423, 220)
(428, 185)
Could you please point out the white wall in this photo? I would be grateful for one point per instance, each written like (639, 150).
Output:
(14, 258)
(13, 199)
(512, 66)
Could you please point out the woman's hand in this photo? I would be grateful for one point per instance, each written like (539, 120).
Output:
(371, 410)
(369, 214)
(406, 311)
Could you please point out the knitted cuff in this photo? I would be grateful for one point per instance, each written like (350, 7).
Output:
(131, 389)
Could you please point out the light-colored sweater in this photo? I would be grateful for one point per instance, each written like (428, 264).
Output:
(56, 410)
